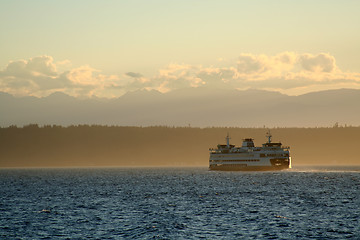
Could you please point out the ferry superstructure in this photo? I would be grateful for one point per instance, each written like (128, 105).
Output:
(271, 156)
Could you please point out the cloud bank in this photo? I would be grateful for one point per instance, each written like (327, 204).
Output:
(287, 72)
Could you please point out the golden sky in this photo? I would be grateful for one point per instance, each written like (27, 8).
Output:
(106, 48)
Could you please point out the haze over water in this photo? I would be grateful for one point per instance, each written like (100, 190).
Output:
(179, 203)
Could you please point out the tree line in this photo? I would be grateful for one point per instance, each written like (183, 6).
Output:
(97, 145)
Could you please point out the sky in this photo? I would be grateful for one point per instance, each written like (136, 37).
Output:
(106, 48)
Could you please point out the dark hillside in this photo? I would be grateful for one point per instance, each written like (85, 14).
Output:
(56, 146)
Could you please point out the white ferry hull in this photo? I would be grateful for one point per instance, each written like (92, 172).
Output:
(229, 163)
(244, 167)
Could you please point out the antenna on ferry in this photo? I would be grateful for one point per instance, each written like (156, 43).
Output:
(227, 140)
(268, 135)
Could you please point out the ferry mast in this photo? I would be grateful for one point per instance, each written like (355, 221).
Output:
(269, 136)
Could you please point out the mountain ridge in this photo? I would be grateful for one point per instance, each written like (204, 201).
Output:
(196, 106)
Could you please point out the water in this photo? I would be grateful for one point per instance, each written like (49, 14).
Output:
(187, 203)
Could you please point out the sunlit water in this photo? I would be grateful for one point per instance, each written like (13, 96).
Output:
(187, 203)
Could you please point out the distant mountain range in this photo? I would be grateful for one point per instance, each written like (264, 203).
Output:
(200, 107)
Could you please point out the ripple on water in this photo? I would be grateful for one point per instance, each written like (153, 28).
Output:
(178, 204)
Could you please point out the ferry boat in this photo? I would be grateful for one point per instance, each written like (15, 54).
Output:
(271, 156)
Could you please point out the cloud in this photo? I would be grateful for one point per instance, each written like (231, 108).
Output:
(317, 63)
(287, 72)
(249, 63)
(282, 72)
(258, 64)
(175, 76)
(134, 75)
(37, 66)
(217, 77)
(26, 76)
(83, 75)
(290, 72)
(42, 65)
(39, 76)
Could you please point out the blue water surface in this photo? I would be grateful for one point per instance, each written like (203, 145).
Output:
(179, 203)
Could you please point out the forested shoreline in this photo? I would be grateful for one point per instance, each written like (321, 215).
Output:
(96, 145)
